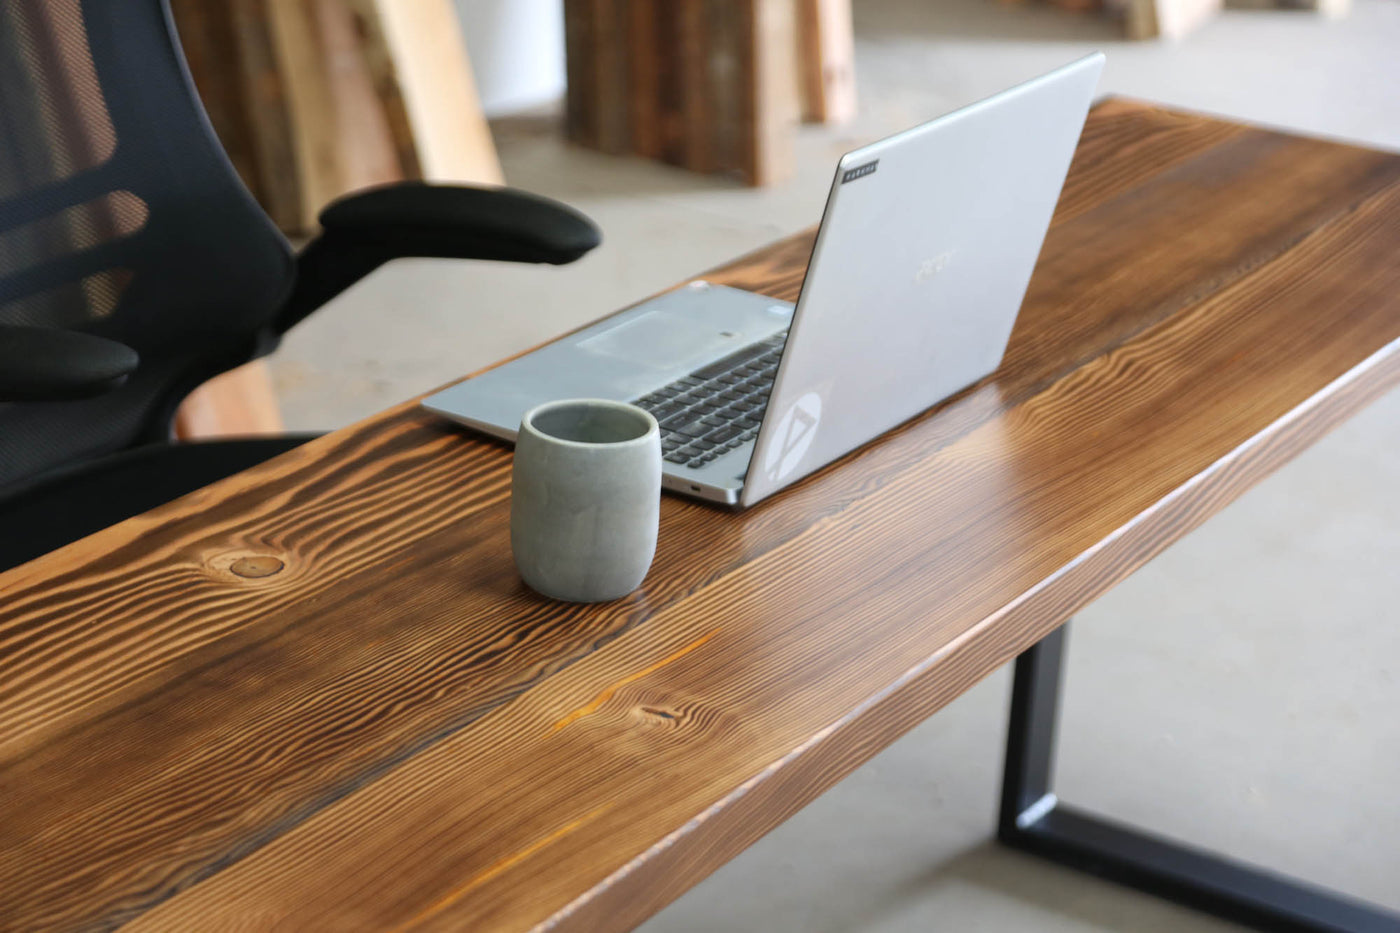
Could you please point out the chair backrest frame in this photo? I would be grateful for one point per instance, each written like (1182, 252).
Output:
(121, 216)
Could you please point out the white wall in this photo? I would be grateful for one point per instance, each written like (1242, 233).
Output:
(517, 51)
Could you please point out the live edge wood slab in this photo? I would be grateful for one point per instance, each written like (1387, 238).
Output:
(316, 695)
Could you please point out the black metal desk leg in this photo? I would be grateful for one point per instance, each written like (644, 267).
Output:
(1034, 820)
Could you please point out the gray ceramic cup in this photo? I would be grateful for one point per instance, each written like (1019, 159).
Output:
(585, 498)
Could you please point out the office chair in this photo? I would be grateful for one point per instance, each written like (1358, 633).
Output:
(134, 266)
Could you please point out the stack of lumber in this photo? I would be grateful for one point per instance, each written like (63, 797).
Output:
(711, 85)
(315, 98)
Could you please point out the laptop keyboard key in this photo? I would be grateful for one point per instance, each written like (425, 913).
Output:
(677, 420)
(726, 432)
(676, 456)
(731, 361)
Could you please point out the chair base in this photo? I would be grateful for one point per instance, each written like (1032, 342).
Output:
(1032, 819)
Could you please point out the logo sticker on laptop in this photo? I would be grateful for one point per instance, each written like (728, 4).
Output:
(931, 267)
(792, 436)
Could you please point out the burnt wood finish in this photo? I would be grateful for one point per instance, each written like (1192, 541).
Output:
(317, 695)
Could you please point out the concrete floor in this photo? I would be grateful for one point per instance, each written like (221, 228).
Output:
(1240, 691)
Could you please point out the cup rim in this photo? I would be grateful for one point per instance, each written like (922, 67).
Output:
(527, 425)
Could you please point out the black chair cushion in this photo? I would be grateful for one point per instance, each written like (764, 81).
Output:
(46, 516)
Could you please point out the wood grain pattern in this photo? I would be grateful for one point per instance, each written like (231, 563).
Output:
(309, 95)
(724, 60)
(643, 62)
(316, 694)
(316, 98)
(209, 40)
(613, 96)
(826, 60)
(580, 73)
(696, 92)
(435, 84)
(769, 106)
(710, 85)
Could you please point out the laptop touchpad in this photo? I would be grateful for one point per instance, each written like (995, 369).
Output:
(664, 340)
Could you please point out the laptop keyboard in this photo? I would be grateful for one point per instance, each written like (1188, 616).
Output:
(716, 408)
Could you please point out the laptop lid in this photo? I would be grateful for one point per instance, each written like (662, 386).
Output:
(923, 257)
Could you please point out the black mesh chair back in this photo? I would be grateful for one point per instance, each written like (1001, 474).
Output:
(120, 216)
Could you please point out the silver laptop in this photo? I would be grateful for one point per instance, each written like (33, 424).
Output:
(924, 254)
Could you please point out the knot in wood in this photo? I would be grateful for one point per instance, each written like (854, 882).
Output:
(263, 565)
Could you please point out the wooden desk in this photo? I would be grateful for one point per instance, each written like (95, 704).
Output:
(317, 694)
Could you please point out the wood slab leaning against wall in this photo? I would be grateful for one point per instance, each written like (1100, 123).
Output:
(313, 99)
(715, 86)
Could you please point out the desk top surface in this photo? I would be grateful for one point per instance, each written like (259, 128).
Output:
(317, 694)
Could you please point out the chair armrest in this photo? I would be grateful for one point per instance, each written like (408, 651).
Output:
(363, 231)
(40, 364)
(459, 222)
